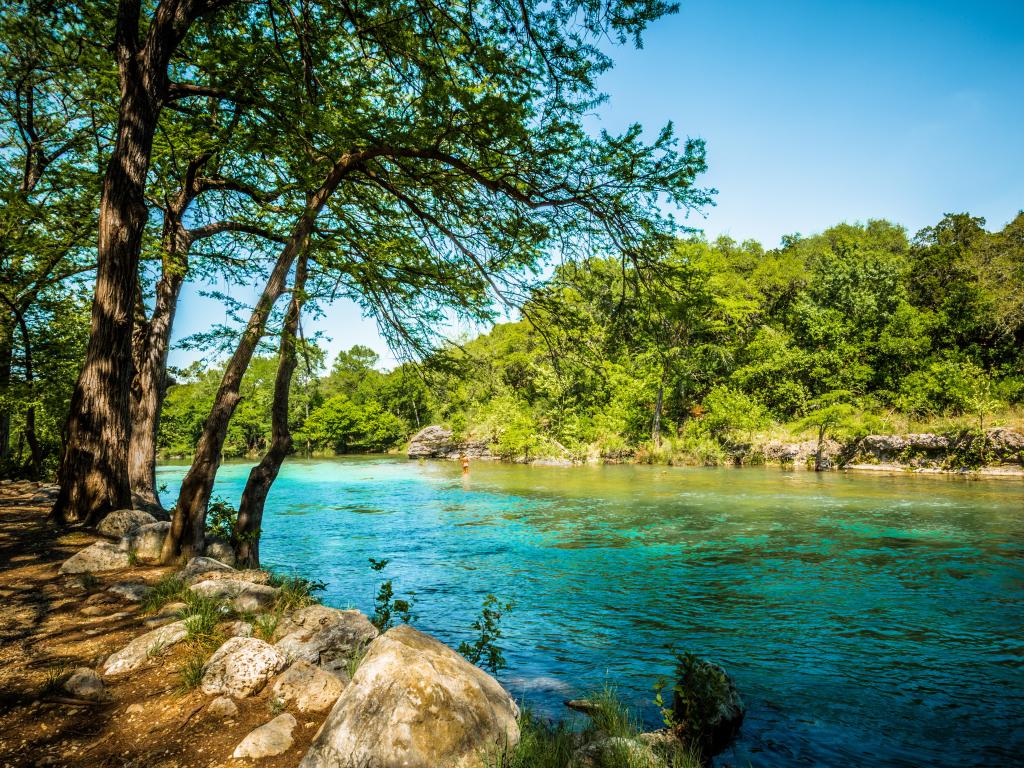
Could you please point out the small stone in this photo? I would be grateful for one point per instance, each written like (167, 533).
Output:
(235, 629)
(274, 738)
(132, 591)
(165, 615)
(84, 683)
(134, 709)
(95, 610)
(123, 521)
(222, 708)
(241, 667)
(199, 566)
(614, 752)
(309, 688)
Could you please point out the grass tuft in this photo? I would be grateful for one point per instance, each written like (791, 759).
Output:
(265, 625)
(169, 589)
(54, 678)
(295, 592)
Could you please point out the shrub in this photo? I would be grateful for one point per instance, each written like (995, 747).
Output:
(484, 651)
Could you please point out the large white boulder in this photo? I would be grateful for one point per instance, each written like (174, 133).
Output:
(123, 521)
(243, 596)
(270, 739)
(98, 557)
(326, 636)
(144, 647)
(146, 541)
(415, 703)
(309, 688)
(241, 667)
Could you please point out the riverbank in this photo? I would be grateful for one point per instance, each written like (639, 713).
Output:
(997, 452)
(109, 660)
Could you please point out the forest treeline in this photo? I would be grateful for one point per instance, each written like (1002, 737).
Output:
(878, 330)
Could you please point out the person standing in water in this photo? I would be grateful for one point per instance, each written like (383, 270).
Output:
(465, 464)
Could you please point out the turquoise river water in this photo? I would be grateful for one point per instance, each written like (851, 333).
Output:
(869, 620)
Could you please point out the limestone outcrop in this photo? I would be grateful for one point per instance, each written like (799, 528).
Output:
(415, 702)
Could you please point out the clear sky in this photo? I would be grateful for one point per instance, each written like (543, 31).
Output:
(813, 113)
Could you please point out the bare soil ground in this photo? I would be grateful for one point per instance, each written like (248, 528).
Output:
(148, 720)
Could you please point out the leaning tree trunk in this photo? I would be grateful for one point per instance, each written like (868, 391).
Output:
(187, 536)
(150, 383)
(6, 354)
(262, 476)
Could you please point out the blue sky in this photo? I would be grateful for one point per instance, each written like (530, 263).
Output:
(813, 113)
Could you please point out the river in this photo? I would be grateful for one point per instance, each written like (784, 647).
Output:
(868, 619)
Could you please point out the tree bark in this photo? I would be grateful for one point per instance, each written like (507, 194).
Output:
(93, 474)
(187, 537)
(262, 476)
(656, 428)
(6, 354)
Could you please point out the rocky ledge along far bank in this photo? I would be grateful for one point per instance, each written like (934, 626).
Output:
(997, 451)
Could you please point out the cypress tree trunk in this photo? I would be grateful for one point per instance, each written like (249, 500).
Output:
(656, 428)
(6, 354)
(93, 473)
(187, 537)
(262, 476)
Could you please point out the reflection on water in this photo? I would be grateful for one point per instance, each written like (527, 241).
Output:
(868, 619)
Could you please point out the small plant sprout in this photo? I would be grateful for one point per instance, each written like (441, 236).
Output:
(484, 651)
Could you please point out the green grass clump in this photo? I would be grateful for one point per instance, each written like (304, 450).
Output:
(610, 716)
(295, 592)
(544, 744)
(201, 616)
(265, 625)
(169, 589)
(541, 745)
(191, 673)
(54, 678)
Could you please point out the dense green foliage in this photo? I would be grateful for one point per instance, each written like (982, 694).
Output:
(856, 329)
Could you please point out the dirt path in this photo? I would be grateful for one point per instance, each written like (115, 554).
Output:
(51, 624)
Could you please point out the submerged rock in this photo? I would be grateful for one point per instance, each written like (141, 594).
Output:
(153, 643)
(123, 521)
(241, 667)
(309, 688)
(96, 558)
(273, 738)
(416, 703)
